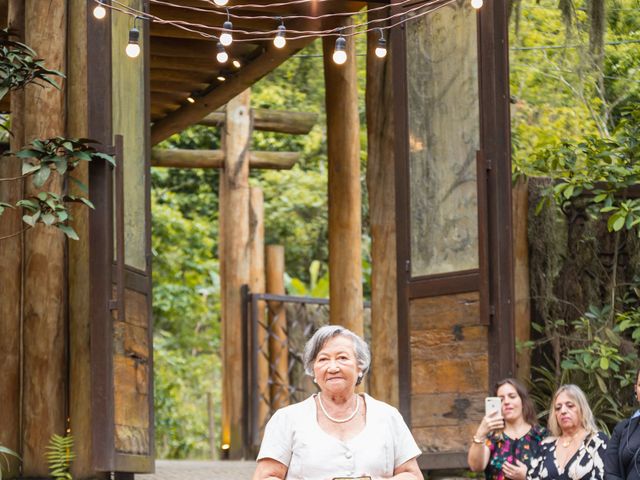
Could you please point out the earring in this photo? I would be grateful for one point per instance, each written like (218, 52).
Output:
(314, 380)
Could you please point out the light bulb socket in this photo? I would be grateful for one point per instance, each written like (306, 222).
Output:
(382, 43)
(341, 44)
(227, 25)
(134, 36)
(282, 30)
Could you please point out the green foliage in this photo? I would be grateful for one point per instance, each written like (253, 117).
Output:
(60, 455)
(4, 452)
(39, 161)
(20, 67)
(186, 327)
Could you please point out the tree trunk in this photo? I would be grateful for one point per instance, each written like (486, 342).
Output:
(234, 204)
(381, 187)
(278, 342)
(343, 139)
(11, 258)
(44, 284)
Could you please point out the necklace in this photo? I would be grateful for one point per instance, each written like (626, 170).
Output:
(566, 443)
(339, 420)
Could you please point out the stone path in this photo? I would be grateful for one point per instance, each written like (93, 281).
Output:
(201, 470)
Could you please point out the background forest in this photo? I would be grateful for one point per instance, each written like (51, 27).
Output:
(574, 84)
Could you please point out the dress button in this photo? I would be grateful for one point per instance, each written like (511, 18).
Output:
(348, 455)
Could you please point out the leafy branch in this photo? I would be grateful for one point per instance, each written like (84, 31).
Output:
(60, 455)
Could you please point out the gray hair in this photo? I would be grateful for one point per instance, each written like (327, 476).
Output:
(586, 415)
(326, 333)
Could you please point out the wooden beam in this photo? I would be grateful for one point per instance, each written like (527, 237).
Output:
(278, 350)
(522, 292)
(297, 123)
(343, 139)
(189, 114)
(11, 263)
(180, 158)
(44, 395)
(383, 381)
(234, 207)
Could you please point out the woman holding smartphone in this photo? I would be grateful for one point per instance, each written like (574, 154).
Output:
(508, 437)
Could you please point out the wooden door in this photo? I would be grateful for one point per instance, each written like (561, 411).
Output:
(454, 285)
(121, 323)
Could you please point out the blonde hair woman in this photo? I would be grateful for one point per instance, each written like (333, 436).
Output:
(576, 449)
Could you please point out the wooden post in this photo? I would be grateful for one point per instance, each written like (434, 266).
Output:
(234, 206)
(521, 276)
(343, 138)
(78, 264)
(278, 345)
(257, 285)
(11, 258)
(44, 282)
(383, 382)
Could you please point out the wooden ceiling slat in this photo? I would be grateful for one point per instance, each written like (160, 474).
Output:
(177, 47)
(169, 87)
(181, 75)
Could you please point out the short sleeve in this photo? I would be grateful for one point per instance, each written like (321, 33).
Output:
(278, 439)
(405, 447)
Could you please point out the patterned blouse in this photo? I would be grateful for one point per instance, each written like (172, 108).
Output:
(586, 464)
(505, 449)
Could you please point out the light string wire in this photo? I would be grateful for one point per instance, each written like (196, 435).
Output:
(356, 29)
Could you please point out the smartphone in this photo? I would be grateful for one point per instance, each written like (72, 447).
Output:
(492, 404)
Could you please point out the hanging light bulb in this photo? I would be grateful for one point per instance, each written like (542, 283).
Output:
(99, 11)
(280, 39)
(381, 48)
(222, 56)
(221, 3)
(476, 4)
(133, 47)
(339, 53)
(226, 38)
(237, 64)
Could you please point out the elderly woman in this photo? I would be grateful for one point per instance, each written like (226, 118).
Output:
(576, 450)
(338, 432)
(622, 460)
(506, 441)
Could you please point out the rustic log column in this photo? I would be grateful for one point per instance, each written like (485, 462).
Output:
(234, 206)
(382, 219)
(11, 265)
(44, 283)
(278, 344)
(343, 138)
(522, 294)
(257, 284)
(79, 283)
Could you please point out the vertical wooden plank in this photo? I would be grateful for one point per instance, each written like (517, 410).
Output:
(383, 382)
(278, 344)
(235, 204)
(521, 276)
(11, 258)
(257, 284)
(79, 280)
(44, 284)
(345, 224)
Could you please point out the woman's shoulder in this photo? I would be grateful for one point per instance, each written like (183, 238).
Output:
(597, 439)
(539, 432)
(295, 410)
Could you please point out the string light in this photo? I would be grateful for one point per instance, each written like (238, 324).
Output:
(99, 11)
(412, 13)
(381, 48)
(237, 64)
(221, 3)
(280, 39)
(476, 4)
(221, 78)
(222, 56)
(226, 38)
(339, 53)
(133, 47)
(191, 100)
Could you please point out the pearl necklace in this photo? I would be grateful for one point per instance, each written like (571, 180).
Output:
(339, 420)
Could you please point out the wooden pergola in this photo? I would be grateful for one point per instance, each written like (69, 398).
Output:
(429, 328)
